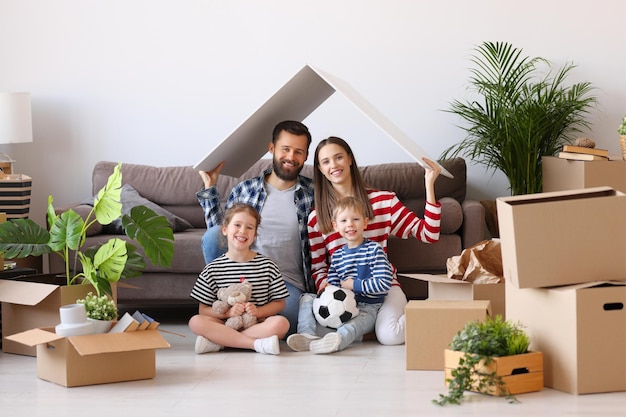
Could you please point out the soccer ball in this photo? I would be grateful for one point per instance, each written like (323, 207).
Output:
(334, 307)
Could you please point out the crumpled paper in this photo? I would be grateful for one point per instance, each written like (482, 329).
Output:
(479, 264)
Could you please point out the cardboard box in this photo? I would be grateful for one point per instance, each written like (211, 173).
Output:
(431, 325)
(440, 287)
(93, 359)
(581, 331)
(564, 237)
(520, 373)
(563, 174)
(28, 305)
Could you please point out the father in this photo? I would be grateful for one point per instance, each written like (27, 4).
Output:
(284, 199)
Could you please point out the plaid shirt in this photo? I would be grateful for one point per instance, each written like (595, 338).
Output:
(252, 192)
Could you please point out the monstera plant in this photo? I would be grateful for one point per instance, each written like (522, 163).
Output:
(103, 264)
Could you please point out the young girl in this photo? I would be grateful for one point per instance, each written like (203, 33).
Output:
(269, 291)
(335, 176)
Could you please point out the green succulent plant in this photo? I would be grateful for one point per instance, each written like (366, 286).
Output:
(103, 264)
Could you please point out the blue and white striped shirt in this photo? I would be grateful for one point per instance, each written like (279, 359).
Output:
(367, 265)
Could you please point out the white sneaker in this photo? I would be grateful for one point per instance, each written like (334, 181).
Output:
(204, 345)
(300, 342)
(327, 344)
(269, 345)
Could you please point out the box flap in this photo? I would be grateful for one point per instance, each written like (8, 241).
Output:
(94, 344)
(453, 305)
(442, 278)
(594, 192)
(34, 337)
(591, 284)
(24, 292)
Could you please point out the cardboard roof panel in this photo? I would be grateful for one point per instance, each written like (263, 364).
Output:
(297, 99)
(249, 142)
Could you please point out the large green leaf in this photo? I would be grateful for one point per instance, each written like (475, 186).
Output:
(66, 231)
(107, 205)
(20, 238)
(135, 264)
(110, 259)
(152, 232)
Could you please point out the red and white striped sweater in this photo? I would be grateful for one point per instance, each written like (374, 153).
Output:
(391, 217)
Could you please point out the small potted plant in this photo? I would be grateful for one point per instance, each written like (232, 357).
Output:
(101, 311)
(491, 357)
(622, 137)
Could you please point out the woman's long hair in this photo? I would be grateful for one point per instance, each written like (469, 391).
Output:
(325, 194)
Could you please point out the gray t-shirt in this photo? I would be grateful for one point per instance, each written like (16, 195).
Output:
(278, 236)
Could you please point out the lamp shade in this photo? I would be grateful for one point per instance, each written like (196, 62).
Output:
(15, 118)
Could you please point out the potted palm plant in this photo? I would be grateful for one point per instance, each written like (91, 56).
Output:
(103, 265)
(518, 115)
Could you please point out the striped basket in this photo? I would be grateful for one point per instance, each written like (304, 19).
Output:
(15, 195)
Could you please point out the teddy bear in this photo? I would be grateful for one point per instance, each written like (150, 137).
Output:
(229, 296)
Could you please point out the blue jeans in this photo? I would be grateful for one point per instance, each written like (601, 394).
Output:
(291, 310)
(213, 245)
(350, 331)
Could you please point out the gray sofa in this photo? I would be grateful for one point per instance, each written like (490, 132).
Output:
(174, 189)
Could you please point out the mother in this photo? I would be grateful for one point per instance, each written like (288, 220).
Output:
(336, 175)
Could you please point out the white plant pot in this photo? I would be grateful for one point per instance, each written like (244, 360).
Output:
(100, 326)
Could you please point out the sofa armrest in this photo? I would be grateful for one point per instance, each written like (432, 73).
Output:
(473, 228)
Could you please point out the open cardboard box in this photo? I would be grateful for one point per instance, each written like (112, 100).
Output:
(93, 359)
(563, 238)
(28, 305)
(431, 325)
(581, 331)
(440, 287)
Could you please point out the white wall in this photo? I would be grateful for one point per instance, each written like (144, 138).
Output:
(162, 82)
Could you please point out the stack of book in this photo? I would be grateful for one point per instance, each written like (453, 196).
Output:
(581, 153)
(133, 322)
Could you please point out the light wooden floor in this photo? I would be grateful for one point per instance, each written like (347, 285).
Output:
(365, 380)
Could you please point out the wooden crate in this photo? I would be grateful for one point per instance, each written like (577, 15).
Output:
(520, 373)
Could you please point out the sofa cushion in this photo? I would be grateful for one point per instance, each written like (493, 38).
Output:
(131, 198)
(451, 215)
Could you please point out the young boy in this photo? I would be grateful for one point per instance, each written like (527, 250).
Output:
(361, 266)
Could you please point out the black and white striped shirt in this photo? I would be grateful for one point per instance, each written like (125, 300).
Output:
(262, 273)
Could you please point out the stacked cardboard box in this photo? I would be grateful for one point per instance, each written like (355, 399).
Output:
(431, 325)
(565, 272)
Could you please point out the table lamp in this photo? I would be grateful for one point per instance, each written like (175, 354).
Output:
(15, 127)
